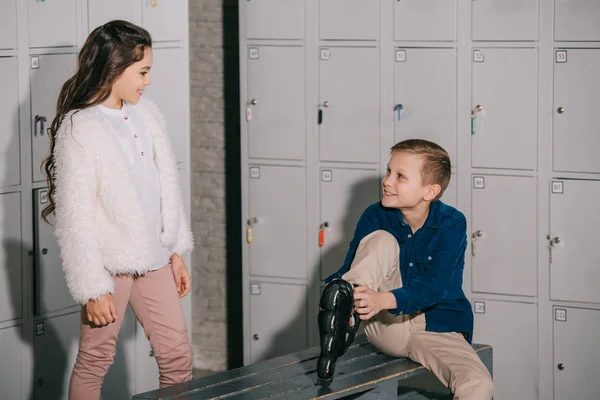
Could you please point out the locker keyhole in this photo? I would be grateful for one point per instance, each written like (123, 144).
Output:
(44, 251)
(561, 366)
(255, 336)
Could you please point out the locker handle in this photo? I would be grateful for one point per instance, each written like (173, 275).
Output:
(399, 108)
(41, 119)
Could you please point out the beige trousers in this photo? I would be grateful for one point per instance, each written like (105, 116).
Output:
(448, 355)
(155, 303)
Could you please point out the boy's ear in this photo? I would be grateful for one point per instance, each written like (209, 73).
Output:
(432, 192)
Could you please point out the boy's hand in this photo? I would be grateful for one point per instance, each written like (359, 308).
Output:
(368, 303)
(181, 275)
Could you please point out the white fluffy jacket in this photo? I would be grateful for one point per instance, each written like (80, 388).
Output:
(99, 223)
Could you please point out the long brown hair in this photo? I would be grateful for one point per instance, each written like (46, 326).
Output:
(105, 55)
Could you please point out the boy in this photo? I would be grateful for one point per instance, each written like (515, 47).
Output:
(403, 277)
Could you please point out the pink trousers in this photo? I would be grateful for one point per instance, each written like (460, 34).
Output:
(155, 302)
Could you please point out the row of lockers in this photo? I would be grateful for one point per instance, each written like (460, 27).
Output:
(421, 20)
(504, 109)
(510, 327)
(55, 23)
(503, 230)
(47, 74)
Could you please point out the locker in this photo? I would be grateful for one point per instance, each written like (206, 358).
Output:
(504, 88)
(275, 107)
(511, 329)
(425, 20)
(278, 322)
(348, 20)
(277, 221)
(576, 20)
(349, 104)
(52, 23)
(103, 11)
(165, 20)
(344, 195)
(8, 24)
(505, 20)
(51, 290)
(56, 342)
(168, 88)
(574, 272)
(504, 254)
(576, 354)
(46, 81)
(450, 195)
(275, 19)
(11, 369)
(10, 159)
(425, 96)
(576, 101)
(10, 257)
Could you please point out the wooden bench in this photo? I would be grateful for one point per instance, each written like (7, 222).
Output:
(362, 373)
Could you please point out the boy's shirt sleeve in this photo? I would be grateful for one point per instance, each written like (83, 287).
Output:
(367, 224)
(430, 287)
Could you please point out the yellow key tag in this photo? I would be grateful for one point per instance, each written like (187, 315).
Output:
(154, 3)
(249, 234)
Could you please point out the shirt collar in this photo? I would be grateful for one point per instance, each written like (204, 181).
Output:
(433, 218)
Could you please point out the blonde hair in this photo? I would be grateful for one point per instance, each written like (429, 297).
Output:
(436, 162)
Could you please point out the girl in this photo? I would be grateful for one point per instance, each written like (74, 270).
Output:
(120, 225)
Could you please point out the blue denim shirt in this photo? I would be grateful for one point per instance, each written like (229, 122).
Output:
(431, 264)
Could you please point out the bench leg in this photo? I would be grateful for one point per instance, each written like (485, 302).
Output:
(385, 391)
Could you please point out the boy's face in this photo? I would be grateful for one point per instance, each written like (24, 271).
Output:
(402, 185)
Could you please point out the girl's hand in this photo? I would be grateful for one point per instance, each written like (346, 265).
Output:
(181, 275)
(368, 303)
(102, 311)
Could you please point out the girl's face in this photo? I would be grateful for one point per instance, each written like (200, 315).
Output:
(130, 85)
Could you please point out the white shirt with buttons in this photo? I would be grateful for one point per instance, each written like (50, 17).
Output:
(136, 143)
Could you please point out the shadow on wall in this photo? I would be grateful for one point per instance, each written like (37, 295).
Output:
(359, 199)
(53, 337)
(233, 184)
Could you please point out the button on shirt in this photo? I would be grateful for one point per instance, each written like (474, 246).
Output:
(135, 142)
(431, 264)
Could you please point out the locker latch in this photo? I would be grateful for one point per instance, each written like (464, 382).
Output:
(475, 112)
(476, 235)
(322, 233)
(552, 242)
(250, 222)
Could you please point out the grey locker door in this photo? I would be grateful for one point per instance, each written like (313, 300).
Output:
(576, 355)
(167, 88)
(102, 11)
(165, 20)
(276, 197)
(56, 343)
(576, 20)
(278, 323)
(425, 20)
(11, 367)
(51, 290)
(348, 20)
(10, 257)
(450, 195)
(505, 260)
(275, 107)
(10, 160)
(46, 82)
(492, 19)
(8, 24)
(505, 85)
(345, 194)
(349, 104)
(52, 23)
(425, 89)
(275, 19)
(576, 103)
(574, 272)
(511, 329)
